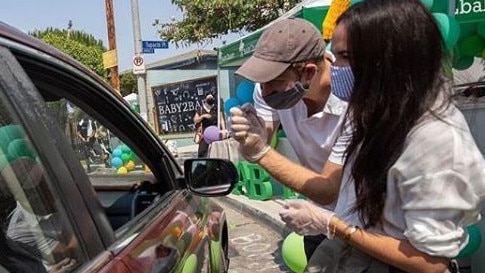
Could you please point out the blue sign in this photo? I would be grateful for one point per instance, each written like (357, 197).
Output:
(148, 50)
(154, 44)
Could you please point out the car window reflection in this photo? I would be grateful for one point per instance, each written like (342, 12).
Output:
(34, 228)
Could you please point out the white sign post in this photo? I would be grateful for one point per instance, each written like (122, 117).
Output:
(138, 65)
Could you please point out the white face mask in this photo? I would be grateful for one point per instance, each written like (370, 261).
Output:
(342, 82)
(286, 99)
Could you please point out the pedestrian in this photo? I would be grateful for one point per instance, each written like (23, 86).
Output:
(204, 117)
(291, 70)
(85, 131)
(414, 176)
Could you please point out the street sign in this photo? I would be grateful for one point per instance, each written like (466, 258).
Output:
(110, 59)
(148, 50)
(154, 44)
(138, 64)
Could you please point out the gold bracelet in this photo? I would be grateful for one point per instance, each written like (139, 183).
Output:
(333, 230)
(348, 235)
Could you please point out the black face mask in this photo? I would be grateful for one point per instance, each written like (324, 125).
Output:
(210, 102)
(286, 99)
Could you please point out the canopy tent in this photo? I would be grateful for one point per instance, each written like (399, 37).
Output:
(235, 53)
(131, 98)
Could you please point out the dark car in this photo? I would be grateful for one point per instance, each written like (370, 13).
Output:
(87, 186)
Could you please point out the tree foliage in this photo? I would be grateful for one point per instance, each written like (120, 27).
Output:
(204, 20)
(128, 84)
(81, 46)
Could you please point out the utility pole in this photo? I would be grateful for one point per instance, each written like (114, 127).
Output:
(142, 98)
(114, 76)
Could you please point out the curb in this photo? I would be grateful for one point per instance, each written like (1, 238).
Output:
(275, 224)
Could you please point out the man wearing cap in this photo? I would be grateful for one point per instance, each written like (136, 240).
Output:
(292, 72)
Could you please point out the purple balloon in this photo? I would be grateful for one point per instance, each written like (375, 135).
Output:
(211, 134)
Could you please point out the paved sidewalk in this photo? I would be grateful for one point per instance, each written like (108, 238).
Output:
(265, 211)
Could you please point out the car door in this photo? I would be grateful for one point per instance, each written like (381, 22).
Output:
(167, 229)
(47, 220)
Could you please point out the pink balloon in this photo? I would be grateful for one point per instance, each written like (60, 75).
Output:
(211, 134)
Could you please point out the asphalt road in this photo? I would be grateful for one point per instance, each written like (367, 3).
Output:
(253, 246)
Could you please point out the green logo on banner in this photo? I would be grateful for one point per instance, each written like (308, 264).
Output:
(470, 11)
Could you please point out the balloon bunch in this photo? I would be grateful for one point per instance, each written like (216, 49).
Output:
(123, 159)
(462, 36)
(14, 145)
(466, 39)
(244, 94)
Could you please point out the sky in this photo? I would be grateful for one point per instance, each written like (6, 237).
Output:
(90, 16)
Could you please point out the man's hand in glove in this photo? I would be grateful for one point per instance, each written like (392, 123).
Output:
(305, 218)
(250, 132)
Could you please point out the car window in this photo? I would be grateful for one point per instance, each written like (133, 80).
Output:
(98, 149)
(111, 165)
(35, 231)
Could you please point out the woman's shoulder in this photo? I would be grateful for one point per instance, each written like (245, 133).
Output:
(440, 126)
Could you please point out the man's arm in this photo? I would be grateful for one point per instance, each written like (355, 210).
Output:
(78, 133)
(322, 188)
(249, 131)
(199, 117)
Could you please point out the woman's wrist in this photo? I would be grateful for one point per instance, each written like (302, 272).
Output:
(340, 229)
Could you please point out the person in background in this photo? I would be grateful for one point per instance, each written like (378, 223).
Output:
(413, 176)
(85, 131)
(204, 117)
(291, 70)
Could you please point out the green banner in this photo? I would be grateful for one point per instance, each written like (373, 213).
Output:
(469, 10)
(230, 54)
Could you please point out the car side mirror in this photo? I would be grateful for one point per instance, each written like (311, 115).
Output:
(210, 176)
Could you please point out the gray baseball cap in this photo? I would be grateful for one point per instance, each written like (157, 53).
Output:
(283, 43)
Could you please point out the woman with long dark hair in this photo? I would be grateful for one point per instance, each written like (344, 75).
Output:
(418, 176)
(413, 178)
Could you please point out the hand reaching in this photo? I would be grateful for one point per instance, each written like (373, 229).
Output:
(306, 218)
(64, 266)
(207, 116)
(250, 132)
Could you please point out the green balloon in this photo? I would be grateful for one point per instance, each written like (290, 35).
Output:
(449, 28)
(125, 157)
(467, 30)
(353, 2)
(481, 29)
(472, 46)
(274, 141)
(293, 253)
(474, 241)
(215, 253)
(463, 62)
(440, 6)
(483, 54)
(281, 133)
(20, 148)
(190, 265)
(9, 133)
(428, 3)
(125, 148)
